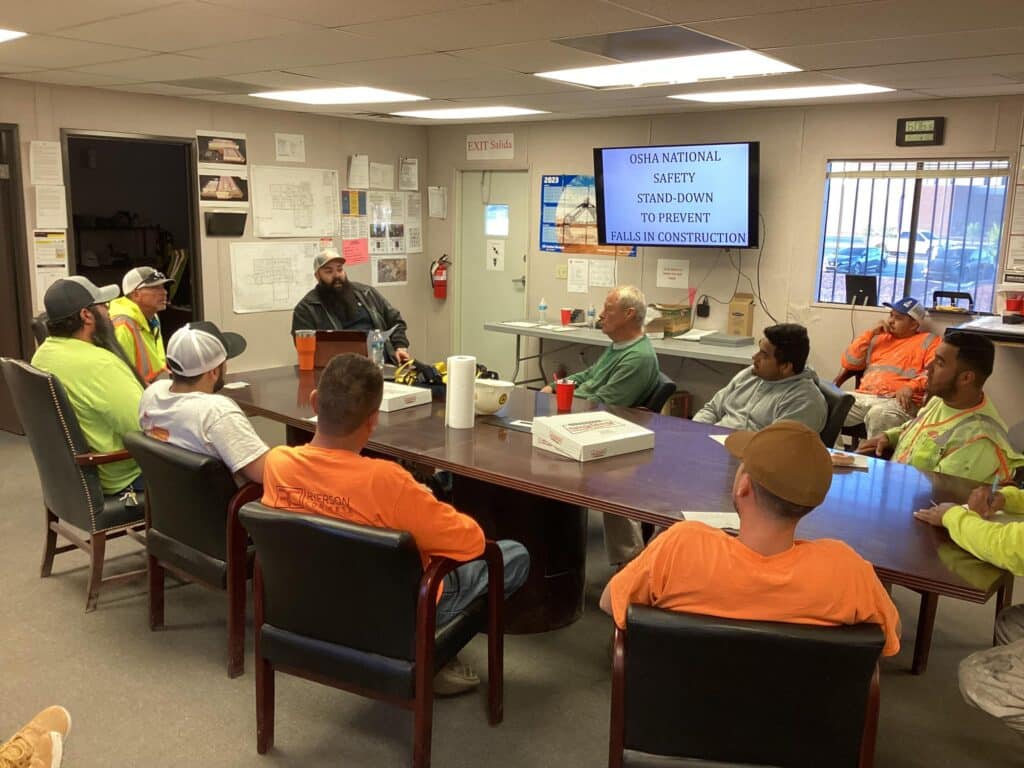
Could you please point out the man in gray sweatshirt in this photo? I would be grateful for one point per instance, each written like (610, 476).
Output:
(777, 386)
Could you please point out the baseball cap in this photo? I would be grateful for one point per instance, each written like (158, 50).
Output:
(325, 256)
(908, 306)
(71, 295)
(787, 459)
(143, 277)
(201, 346)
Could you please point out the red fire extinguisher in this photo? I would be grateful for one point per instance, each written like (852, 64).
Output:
(439, 277)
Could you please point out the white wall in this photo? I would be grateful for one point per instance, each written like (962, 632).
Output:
(795, 144)
(41, 111)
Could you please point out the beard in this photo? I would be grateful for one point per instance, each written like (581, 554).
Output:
(218, 385)
(103, 332)
(339, 297)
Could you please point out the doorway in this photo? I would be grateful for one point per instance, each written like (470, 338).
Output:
(493, 243)
(132, 204)
(15, 299)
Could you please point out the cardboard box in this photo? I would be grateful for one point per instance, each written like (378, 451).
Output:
(399, 396)
(674, 320)
(741, 315)
(589, 436)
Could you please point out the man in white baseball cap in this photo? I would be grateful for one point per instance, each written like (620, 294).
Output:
(135, 319)
(101, 386)
(337, 303)
(187, 411)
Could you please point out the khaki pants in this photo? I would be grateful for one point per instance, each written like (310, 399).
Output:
(993, 680)
(876, 413)
(623, 539)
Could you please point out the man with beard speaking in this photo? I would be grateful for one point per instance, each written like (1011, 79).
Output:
(338, 304)
(100, 385)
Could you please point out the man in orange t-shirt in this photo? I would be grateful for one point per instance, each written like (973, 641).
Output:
(329, 477)
(763, 574)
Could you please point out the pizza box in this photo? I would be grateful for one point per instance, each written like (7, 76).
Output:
(399, 396)
(589, 436)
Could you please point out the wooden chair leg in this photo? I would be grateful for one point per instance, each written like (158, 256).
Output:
(925, 625)
(264, 705)
(156, 592)
(495, 638)
(616, 726)
(423, 723)
(50, 548)
(1004, 598)
(97, 551)
(236, 618)
(870, 735)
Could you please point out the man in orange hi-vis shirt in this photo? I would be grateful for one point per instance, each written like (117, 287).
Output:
(329, 477)
(763, 574)
(893, 356)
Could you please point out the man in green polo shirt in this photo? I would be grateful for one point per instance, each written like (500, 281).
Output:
(625, 374)
(100, 386)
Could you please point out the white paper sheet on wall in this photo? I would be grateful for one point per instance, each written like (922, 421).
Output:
(44, 163)
(673, 273)
(602, 273)
(51, 207)
(578, 276)
(359, 172)
(267, 277)
(437, 202)
(409, 173)
(295, 202)
(382, 176)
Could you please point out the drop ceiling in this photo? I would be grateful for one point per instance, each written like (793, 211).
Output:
(462, 53)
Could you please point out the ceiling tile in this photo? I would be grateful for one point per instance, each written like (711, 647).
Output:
(41, 52)
(907, 74)
(512, 21)
(70, 77)
(37, 16)
(159, 89)
(706, 10)
(331, 13)
(282, 81)
(540, 56)
(434, 66)
(885, 19)
(491, 87)
(912, 48)
(328, 46)
(165, 66)
(184, 25)
(966, 92)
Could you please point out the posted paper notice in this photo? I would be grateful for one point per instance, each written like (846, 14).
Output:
(578, 275)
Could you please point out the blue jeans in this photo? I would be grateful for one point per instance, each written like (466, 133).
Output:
(469, 581)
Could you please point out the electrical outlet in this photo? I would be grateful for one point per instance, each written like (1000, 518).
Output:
(562, 272)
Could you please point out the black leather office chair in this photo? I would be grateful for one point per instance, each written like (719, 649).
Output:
(352, 607)
(75, 505)
(838, 404)
(687, 687)
(662, 392)
(192, 530)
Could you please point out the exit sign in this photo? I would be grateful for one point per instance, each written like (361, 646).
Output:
(920, 131)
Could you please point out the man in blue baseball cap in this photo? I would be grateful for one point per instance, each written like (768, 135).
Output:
(892, 358)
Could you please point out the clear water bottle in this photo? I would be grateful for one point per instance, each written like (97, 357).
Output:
(591, 317)
(542, 310)
(375, 341)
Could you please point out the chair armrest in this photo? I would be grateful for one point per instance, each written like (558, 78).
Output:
(844, 374)
(94, 458)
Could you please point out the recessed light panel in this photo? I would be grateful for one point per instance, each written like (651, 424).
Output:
(350, 95)
(682, 69)
(10, 34)
(784, 94)
(469, 113)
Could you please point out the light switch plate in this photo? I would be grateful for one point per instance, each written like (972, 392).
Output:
(562, 272)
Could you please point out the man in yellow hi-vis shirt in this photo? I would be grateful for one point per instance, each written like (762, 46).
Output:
(136, 324)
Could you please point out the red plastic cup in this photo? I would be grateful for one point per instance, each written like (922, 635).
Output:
(566, 315)
(1015, 305)
(564, 390)
(305, 345)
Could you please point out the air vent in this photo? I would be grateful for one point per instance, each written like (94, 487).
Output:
(646, 44)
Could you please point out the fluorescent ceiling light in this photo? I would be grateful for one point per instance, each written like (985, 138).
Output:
(352, 95)
(469, 113)
(10, 34)
(682, 69)
(783, 94)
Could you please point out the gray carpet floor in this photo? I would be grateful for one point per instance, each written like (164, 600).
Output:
(163, 699)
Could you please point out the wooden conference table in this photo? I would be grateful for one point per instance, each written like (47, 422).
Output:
(539, 498)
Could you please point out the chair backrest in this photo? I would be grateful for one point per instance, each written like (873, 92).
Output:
(662, 392)
(746, 692)
(838, 404)
(187, 492)
(39, 330)
(352, 585)
(72, 492)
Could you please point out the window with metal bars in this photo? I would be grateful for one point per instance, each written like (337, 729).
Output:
(917, 226)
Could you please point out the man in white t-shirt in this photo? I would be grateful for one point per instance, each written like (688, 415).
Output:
(187, 412)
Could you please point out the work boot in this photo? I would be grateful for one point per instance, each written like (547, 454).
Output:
(455, 678)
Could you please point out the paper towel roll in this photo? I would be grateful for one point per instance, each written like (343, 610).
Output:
(458, 406)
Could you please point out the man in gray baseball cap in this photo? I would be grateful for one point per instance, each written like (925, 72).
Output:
(337, 303)
(101, 386)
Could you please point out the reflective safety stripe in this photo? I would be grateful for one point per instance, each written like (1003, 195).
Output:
(908, 373)
(871, 346)
(852, 362)
(142, 362)
(928, 340)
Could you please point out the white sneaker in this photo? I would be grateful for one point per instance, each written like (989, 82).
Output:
(455, 678)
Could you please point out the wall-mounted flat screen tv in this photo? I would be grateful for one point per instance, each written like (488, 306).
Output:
(684, 195)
